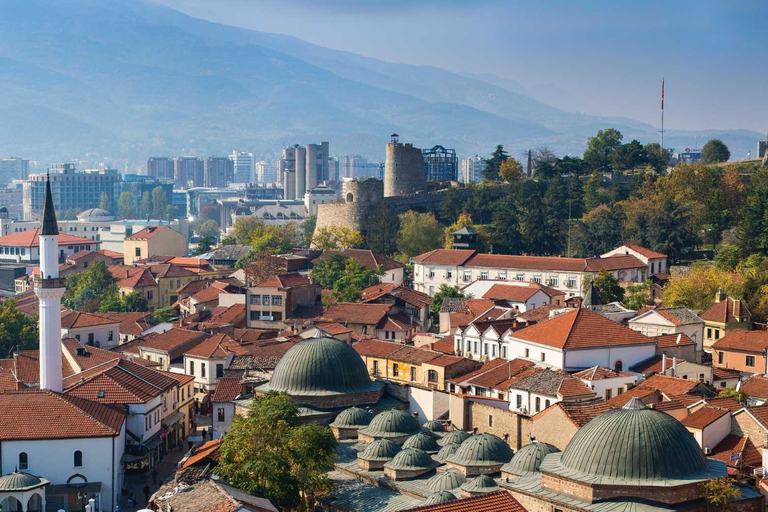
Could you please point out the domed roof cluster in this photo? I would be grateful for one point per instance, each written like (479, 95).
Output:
(321, 367)
(434, 426)
(454, 437)
(633, 443)
(392, 423)
(528, 459)
(20, 482)
(482, 483)
(380, 449)
(446, 481)
(482, 450)
(440, 497)
(411, 459)
(446, 451)
(423, 442)
(354, 417)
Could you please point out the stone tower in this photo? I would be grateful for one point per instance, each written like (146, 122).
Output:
(49, 288)
(403, 170)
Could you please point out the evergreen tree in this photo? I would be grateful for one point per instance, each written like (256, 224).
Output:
(145, 209)
(714, 152)
(592, 196)
(380, 230)
(125, 206)
(105, 203)
(575, 197)
(492, 165)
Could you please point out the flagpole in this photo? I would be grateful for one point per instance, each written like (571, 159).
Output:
(662, 116)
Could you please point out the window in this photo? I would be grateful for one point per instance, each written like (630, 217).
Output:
(520, 277)
(527, 352)
(717, 334)
(719, 358)
(191, 367)
(256, 299)
(375, 367)
(219, 371)
(432, 375)
(202, 369)
(502, 276)
(537, 279)
(78, 458)
(701, 377)
(709, 332)
(490, 420)
(77, 337)
(504, 352)
(255, 315)
(150, 295)
(538, 404)
(519, 402)
(493, 350)
(431, 273)
(571, 282)
(750, 360)
(110, 335)
(553, 281)
(546, 403)
(137, 252)
(277, 300)
(467, 276)
(619, 391)
(395, 370)
(476, 348)
(90, 338)
(543, 357)
(484, 274)
(448, 274)
(608, 394)
(618, 366)
(220, 414)
(413, 373)
(265, 300)
(23, 461)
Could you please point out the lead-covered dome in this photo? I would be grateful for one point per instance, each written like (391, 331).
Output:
(411, 459)
(20, 482)
(446, 481)
(440, 497)
(482, 483)
(482, 450)
(321, 367)
(354, 417)
(392, 423)
(95, 214)
(446, 451)
(380, 449)
(423, 442)
(633, 443)
(454, 436)
(528, 459)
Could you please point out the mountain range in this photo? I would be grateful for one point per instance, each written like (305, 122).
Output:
(123, 79)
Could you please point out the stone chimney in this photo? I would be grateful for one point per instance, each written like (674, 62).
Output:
(663, 363)
(720, 295)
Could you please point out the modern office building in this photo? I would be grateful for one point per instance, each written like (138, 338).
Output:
(440, 164)
(242, 166)
(189, 172)
(161, 167)
(71, 190)
(471, 169)
(356, 166)
(303, 168)
(13, 169)
(219, 171)
(266, 173)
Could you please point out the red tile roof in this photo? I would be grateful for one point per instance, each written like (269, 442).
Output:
(732, 444)
(499, 501)
(613, 263)
(727, 311)
(407, 295)
(119, 382)
(654, 364)
(580, 413)
(42, 414)
(227, 389)
(75, 319)
(209, 450)
(510, 292)
(501, 376)
(646, 394)
(287, 281)
(446, 360)
(670, 385)
(252, 335)
(218, 346)
(704, 417)
(356, 313)
(130, 323)
(148, 232)
(724, 374)
(671, 340)
(756, 386)
(648, 253)
(581, 328)
(397, 322)
(745, 341)
(444, 345)
(170, 340)
(445, 256)
(375, 348)
(30, 238)
(333, 328)
(132, 277)
(725, 403)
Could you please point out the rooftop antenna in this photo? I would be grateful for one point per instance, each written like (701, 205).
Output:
(662, 116)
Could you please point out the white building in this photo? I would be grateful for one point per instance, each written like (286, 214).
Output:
(96, 330)
(266, 173)
(655, 261)
(25, 247)
(680, 320)
(208, 360)
(471, 169)
(606, 383)
(520, 295)
(243, 165)
(319, 195)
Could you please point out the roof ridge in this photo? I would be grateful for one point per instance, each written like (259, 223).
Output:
(140, 378)
(70, 400)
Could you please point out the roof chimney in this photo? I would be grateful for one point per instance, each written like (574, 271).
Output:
(720, 295)
(674, 366)
(663, 363)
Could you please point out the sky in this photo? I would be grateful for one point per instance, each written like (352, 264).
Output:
(597, 57)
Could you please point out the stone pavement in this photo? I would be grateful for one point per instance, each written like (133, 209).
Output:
(135, 483)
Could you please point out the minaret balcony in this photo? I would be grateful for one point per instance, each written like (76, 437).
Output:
(51, 282)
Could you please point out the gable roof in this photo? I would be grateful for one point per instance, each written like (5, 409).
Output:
(581, 328)
(670, 385)
(645, 394)
(745, 341)
(356, 313)
(227, 389)
(75, 319)
(580, 413)
(407, 295)
(511, 293)
(218, 346)
(704, 417)
(756, 386)
(500, 375)
(130, 323)
(445, 256)
(727, 311)
(749, 454)
(170, 339)
(131, 277)
(31, 238)
(149, 232)
(120, 382)
(376, 348)
(673, 340)
(286, 281)
(600, 373)
(648, 253)
(679, 315)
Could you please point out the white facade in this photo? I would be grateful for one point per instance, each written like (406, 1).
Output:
(206, 372)
(652, 323)
(608, 388)
(319, 195)
(711, 435)
(242, 164)
(656, 265)
(266, 173)
(221, 418)
(471, 169)
(478, 289)
(103, 336)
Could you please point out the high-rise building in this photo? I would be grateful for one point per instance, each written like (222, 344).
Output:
(219, 171)
(242, 165)
(13, 169)
(71, 190)
(356, 166)
(161, 167)
(189, 172)
(265, 173)
(471, 169)
(306, 167)
(333, 169)
(440, 164)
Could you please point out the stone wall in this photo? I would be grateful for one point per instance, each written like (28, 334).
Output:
(514, 428)
(743, 424)
(553, 427)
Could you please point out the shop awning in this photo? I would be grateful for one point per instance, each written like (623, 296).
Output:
(176, 418)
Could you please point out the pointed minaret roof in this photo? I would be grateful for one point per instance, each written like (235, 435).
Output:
(591, 298)
(49, 226)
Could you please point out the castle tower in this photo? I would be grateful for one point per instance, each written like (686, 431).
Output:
(49, 288)
(403, 169)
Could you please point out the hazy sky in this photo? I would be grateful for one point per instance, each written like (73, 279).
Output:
(597, 57)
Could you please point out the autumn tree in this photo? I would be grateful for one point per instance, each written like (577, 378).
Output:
(263, 265)
(418, 233)
(511, 170)
(336, 238)
(719, 492)
(696, 289)
(243, 228)
(464, 221)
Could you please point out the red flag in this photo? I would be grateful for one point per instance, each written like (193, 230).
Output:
(662, 94)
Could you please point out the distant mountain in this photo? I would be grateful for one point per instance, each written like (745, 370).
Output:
(129, 79)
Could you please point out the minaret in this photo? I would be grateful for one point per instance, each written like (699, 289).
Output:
(49, 288)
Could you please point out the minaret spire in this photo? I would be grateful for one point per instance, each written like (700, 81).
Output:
(49, 288)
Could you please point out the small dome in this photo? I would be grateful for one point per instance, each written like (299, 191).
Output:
(482, 450)
(446, 481)
(422, 442)
(20, 481)
(3, 209)
(380, 449)
(528, 459)
(321, 367)
(439, 497)
(633, 443)
(482, 483)
(434, 426)
(95, 214)
(392, 423)
(411, 458)
(446, 451)
(353, 417)
(454, 436)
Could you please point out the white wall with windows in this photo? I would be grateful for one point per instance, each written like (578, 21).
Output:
(206, 372)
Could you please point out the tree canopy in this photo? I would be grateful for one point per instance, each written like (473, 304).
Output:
(16, 329)
(714, 152)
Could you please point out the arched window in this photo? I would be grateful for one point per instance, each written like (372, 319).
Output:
(350, 198)
(23, 461)
(78, 458)
(618, 366)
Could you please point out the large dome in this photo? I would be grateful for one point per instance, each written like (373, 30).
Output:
(632, 443)
(354, 417)
(482, 450)
(392, 423)
(20, 481)
(528, 459)
(321, 367)
(95, 214)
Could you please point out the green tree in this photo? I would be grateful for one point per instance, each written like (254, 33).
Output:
(728, 257)
(105, 203)
(268, 453)
(607, 287)
(418, 233)
(228, 240)
(145, 208)
(506, 232)
(601, 147)
(740, 396)
(308, 229)
(336, 238)
(629, 156)
(719, 492)
(638, 295)
(134, 302)
(162, 315)
(85, 290)
(575, 197)
(126, 208)
(658, 158)
(714, 152)
(16, 329)
(160, 207)
(328, 270)
(511, 171)
(243, 229)
(444, 292)
(208, 229)
(353, 280)
(380, 230)
(669, 231)
(204, 245)
(599, 231)
(592, 197)
(493, 164)
(451, 206)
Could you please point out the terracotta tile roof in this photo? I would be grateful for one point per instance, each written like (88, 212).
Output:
(500, 376)
(75, 319)
(648, 253)
(732, 444)
(148, 232)
(725, 403)
(581, 328)
(252, 335)
(226, 315)
(130, 323)
(671, 340)
(111, 254)
(88, 356)
(646, 394)
(208, 450)
(573, 387)
(214, 494)
(195, 286)
(397, 322)
(745, 341)
(669, 405)
(8, 382)
(227, 389)
(514, 292)
(30, 238)
(541, 313)
(181, 378)
(39, 414)
(724, 374)
(170, 340)
(218, 346)
(727, 311)
(613, 263)
(687, 400)
(131, 277)
(756, 386)
(670, 385)
(527, 262)
(287, 281)
(375, 348)
(355, 313)
(653, 365)
(445, 256)
(485, 368)
(26, 367)
(600, 373)
(333, 328)
(412, 355)
(119, 382)
(704, 417)
(208, 294)
(444, 345)
(407, 295)
(580, 413)
(499, 501)
(446, 360)
(478, 306)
